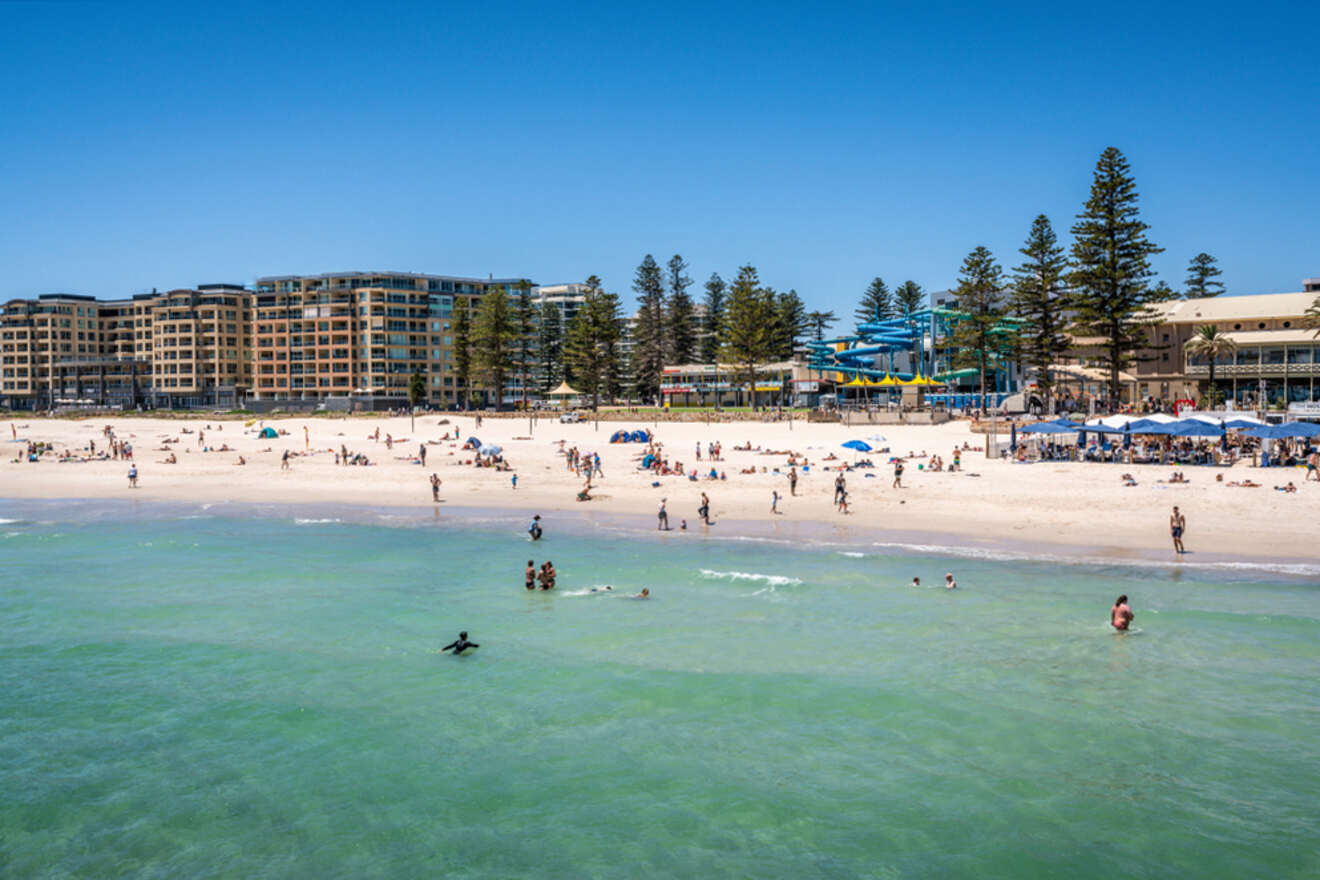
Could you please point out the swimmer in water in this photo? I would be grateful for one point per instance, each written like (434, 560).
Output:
(529, 576)
(644, 594)
(459, 645)
(605, 589)
(1120, 616)
(949, 582)
(916, 582)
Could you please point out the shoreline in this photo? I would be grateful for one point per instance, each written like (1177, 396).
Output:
(809, 535)
(1047, 509)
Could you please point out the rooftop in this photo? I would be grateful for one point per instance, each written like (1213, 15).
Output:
(357, 273)
(1234, 308)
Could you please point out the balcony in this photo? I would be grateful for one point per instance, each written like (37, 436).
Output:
(1254, 371)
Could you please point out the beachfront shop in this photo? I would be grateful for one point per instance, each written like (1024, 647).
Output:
(780, 384)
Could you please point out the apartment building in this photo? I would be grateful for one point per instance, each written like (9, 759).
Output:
(181, 348)
(359, 335)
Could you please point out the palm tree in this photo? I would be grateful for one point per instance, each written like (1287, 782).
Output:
(1313, 316)
(1209, 343)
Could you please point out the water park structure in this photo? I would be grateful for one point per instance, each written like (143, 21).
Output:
(914, 356)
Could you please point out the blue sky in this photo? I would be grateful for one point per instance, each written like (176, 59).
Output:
(164, 146)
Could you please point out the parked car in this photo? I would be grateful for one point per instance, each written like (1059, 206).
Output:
(569, 417)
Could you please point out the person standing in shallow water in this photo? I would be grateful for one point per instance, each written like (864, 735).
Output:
(1120, 616)
(1177, 524)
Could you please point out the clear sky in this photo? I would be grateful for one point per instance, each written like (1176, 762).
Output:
(163, 146)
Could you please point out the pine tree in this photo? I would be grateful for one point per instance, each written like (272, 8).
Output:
(748, 331)
(1111, 266)
(463, 348)
(1040, 299)
(716, 292)
(1201, 275)
(495, 339)
(819, 323)
(876, 304)
(791, 324)
(592, 344)
(909, 297)
(679, 320)
(524, 345)
(981, 309)
(550, 345)
(649, 342)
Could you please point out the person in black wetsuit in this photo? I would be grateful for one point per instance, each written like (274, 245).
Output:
(460, 644)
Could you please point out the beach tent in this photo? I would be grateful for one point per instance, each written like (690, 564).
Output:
(1115, 422)
(473, 442)
(1279, 432)
(1246, 419)
(268, 433)
(619, 437)
(640, 436)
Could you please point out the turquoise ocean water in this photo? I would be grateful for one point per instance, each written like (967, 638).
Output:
(221, 693)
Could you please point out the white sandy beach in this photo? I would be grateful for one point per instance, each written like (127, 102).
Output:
(1056, 504)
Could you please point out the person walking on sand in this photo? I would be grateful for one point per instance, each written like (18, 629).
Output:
(774, 500)
(898, 473)
(1120, 616)
(704, 510)
(792, 481)
(839, 488)
(132, 476)
(1177, 525)
(662, 517)
(421, 454)
(284, 461)
(307, 440)
(1313, 465)
(435, 487)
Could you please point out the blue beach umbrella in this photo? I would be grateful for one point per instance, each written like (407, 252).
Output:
(1194, 428)
(490, 449)
(1280, 432)
(1148, 426)
(857, 445)
(1058, 426)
